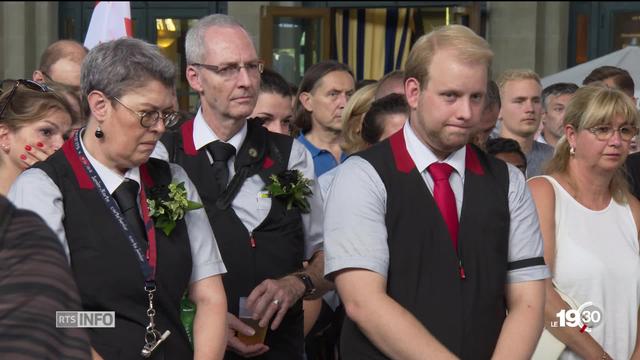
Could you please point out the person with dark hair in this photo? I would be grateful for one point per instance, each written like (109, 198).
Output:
(614, 77)
(362, 83)
(135, 239)
(322, 96)
(490, 114)
(507, 150)
(555, 99)
(35, 283)
(385, 116)
(390, 83)
(274, 106)
(60, 62)
(265, 229)
(434, 246)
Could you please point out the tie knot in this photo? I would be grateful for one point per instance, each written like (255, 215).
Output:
(126, 194)
(440, 171)
(221, 151)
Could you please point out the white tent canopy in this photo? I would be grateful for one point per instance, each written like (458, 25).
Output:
(627, 58)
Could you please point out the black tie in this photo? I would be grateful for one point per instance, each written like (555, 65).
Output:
(126, 195)
(221, 153)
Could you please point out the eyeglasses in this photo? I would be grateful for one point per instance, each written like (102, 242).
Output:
(605, 132)
(29, 84)
(150, 118)
(230, 71)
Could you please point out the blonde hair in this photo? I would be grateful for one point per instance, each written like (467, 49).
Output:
(352, 115)
(517, 74)
(592, 106)
(468, 46)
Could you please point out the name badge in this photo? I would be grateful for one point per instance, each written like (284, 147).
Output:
(264, 201)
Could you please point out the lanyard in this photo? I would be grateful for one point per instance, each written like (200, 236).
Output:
(146, 261)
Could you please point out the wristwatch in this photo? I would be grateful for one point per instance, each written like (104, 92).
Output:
(309, 288)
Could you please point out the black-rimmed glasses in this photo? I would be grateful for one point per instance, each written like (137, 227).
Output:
(150, 118)
(231, 71)
(29, 84)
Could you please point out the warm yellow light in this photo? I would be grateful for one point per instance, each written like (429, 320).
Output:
(170, 25)
(165, 42)
(159, 24)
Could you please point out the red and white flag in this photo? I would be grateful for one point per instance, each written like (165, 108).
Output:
(110, 20)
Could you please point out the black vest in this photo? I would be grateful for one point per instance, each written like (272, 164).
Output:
(273, 249)
(465, 315)
(106, 270)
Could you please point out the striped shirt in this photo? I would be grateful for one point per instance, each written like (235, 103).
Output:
(35, 282)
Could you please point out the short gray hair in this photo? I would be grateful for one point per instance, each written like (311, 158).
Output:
(194, 41)
(118, 66)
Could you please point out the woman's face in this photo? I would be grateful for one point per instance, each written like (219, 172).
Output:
(46, 133)
(126, 144)
(607, 155)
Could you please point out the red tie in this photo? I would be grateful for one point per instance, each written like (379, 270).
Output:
(443, 195)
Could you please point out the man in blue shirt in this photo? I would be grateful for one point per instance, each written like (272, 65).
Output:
(324, 92)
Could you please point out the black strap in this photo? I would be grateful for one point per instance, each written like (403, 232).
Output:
(519, 264)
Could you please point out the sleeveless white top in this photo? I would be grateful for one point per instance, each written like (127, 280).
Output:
(598, 260)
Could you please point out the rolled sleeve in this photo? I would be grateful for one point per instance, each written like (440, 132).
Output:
(205, 254)
(301, 159)
(354, 225)
(526, 252)
(34, 190)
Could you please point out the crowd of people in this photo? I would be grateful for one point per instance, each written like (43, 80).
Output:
(432, 213)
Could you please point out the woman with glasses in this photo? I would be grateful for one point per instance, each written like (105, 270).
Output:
(33, 121)
(589, 222)
(127, 222)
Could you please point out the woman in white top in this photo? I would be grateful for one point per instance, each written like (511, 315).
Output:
(589, 223)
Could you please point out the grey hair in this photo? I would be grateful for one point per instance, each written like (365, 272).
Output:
(194, 42)
(116, 67)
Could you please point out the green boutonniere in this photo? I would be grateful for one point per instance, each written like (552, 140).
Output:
(291, 187)
(168, 204)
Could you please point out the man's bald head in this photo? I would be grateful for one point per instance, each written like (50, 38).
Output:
(61, 62)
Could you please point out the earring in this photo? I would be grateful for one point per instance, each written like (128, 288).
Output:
(572, 151)
(99, 134)
(5, 148)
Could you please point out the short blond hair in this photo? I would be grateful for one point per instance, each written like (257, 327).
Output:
(592, 106)
(352, 115)
(468, 46)
(517, 74)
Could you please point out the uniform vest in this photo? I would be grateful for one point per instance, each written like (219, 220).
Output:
(273, 249)
(465, 315)
(105, 267)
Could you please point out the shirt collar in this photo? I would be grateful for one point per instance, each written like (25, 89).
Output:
(312, 148)
(203, 135)
(315, 151)
(110, 178)
(423, 156)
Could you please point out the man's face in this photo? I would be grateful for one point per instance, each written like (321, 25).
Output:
(446, 112)
(521, 108)
(224, 96)
(66, 72)
(553, 116)
(327, 100)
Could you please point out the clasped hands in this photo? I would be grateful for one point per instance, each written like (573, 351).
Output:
(270, 298)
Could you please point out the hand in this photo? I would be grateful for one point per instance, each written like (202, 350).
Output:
(234, 344)
(274, 297)
(34, 153)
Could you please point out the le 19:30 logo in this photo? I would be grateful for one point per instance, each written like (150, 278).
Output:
(586, 317)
